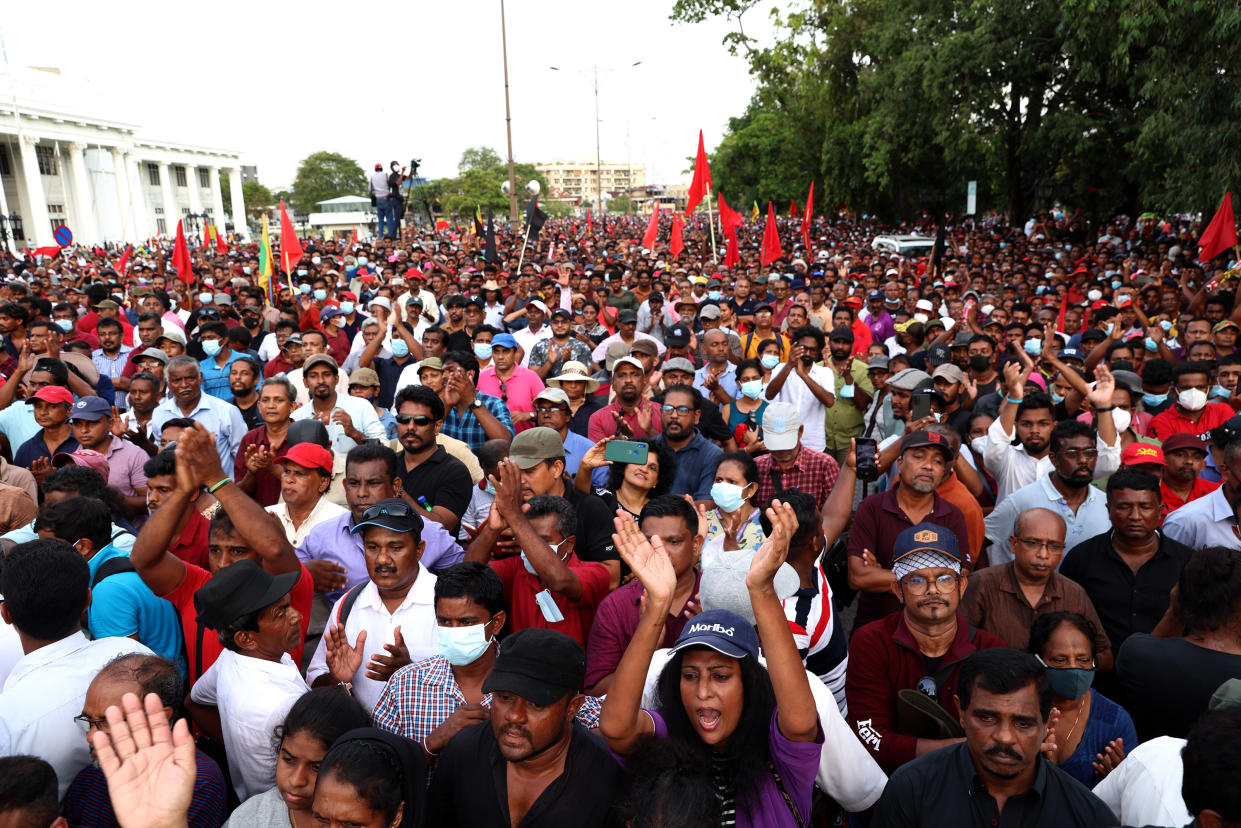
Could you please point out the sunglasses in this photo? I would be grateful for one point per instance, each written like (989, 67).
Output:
(420, 420)
(396, 510)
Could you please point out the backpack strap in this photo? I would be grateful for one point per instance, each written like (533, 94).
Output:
(198, 651)
(346, 605)
(110, 567)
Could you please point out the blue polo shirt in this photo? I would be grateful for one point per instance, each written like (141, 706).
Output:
(215, 378)
(695, 467)
(575, 448)
(122, 605)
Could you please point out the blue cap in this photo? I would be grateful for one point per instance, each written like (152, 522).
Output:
(91, 409)
(876, 296)
(504, 340)
(1071, 353)
(720, 630)
(925, 546)
(328, 313)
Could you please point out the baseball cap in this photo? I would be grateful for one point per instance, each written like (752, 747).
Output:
(565, 312)
(678, 364)
(537, 303)
(781, 426)
(542, 666)
(709, 312)
(309, 456)
(949, 372)
(627, 360)
(720, 630)
(553, 395)
(1136, 454)
(938, 354)
(84, 457)
(434, 363)
(907, 379)
(534, 445)
(91, 409)
(627, 316)
(173, 335)
(1178, 442)
(854, 302)
(644, 346)
(841, 334)
(677, 336)
(504, 340)
(925, 546)
(382, 301)
(239, 589)
(309, 430)
(963, 339)
(366, 377)
(878, 362)
(918, 439)
(1071, 353)
(52, 394)
(109, 304)
(391, 513)
(319, 359)
(1226, 323)
(153, 353)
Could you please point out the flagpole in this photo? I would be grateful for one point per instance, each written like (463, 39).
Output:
(715, 259)
(525, 241)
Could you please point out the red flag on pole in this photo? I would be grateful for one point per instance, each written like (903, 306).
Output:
(652, 230)
(793, 211)
(290, 247)
(702, 177)
(678, 241)
(124, 262)
(771, 238)
(220, 246)
(590, 223)
(52, 250)
(355, 236)
(805, 219)
(730, 219)
(181, 256)
(1220, 234)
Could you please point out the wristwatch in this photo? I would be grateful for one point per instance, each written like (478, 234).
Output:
(477, 402)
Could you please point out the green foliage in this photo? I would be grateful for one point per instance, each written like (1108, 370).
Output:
(479, 158)
(620, 204)
(257, 197)
(482, 171)
(324, 175)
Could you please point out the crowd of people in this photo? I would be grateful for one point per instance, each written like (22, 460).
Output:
(578, 533)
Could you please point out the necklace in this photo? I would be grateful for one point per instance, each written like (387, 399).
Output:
(1069, 735)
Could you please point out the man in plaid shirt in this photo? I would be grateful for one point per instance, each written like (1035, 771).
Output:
(431, 700)
(472, 416)
(788, 464)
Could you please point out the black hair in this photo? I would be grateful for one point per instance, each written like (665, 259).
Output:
(372, 769)
(253, 363)
(177, 422)
(110, 323)
(1067, 430)
(316, 332)
(286, 325)
(749, 469)
(743, 762)
(1034, 401)
(434, 329)
(214, 327)
(681, 388)
(544, 505)
(465, 359)
(154, 675)
(810, 330)
(1001, 670)
(1210, 762)
(1047, 623)
(1209, 589)
(667, 467)
(368, 451)
(221, 522)
(1191, 368)
(77, 518)
(1156, 371)
(323, 713)
(242, 336)
(163, 463)
(146, 376)
(1128, 478)
(667, 505)
(89, 484)
(45, 583)
(474, 581)
(671, 786)
(805, 509)
(1120, 345)
(493, 451)
(13, 310)
(249, 622)
(28, 789)
(58, 370)
(421, 395)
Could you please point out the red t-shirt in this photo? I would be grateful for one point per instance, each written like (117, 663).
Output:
(182, 598)
(1171, 421)
(1172, 501)
(520, 587)
(191, 545)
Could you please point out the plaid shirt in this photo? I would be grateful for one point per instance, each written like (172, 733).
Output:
(8, 357)
(421, 696)
(465, 427)
(813, 473)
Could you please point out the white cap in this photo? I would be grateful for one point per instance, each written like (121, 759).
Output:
(924, 304)
(382, 301)
(781, 426)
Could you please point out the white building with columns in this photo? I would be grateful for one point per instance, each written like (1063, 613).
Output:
(62, 163)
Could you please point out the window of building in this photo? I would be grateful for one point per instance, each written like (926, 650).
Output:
(55, 209)
(57, 222)
(204, 178)
(180, 173)
(160, 226)
(47, 159)
(185, 211)
(153, 175)
(5, 168)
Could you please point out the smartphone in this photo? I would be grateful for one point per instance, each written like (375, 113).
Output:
(626, 451)
(919, 405)
(867, 451)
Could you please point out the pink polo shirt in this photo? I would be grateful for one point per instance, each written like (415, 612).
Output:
(518, 393)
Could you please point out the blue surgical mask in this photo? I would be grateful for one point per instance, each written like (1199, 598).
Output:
(399, 348)
(1003, 245)
(305, 289)
(245, 270)
(555, 547)
(490, 488)
(211, 347)
(1115, 284)
(1154, 399)
(1034, 347)
(347, 307)
(714, 295)
(769, 361)
(65, 325)
(482, 350)
(361, 261)
(320, 294)
(752, 388)
(728, 496)
(301, 271)
(1165, 324)
(1059, 398)
(1151, 345)
(462, 645)
(1220, 391)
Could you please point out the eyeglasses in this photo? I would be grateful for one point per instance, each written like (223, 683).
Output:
(1037, 543)
(1073, 454)
(396, 510)
(919, 584)
(420, 420)
(88, 724)
(542, 408)
(680, 409)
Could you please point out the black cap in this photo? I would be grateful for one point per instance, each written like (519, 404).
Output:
(392, 513)
(656, 297)
(677, 336)
(938, 354)
(1227, 433)
(237, 590)
(918, 439)
(842, 333)
(541, 666)
(308, 431)
(567, 314)
(627, 316)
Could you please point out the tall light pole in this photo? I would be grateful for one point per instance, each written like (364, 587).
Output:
(598, 155)
(508, 122)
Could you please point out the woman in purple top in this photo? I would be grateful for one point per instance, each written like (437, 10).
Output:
(757, 730)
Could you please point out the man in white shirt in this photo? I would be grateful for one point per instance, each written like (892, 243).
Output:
(47, 589)
(380, 626)
(535, 330)
(313, 342)
(807, 385)
(254, 682)
(349, 420)
(305, 476)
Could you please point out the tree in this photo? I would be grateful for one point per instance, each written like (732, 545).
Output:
(324, 175)
(482, 174)
(479, 158)
(257, 197)
(620, 204)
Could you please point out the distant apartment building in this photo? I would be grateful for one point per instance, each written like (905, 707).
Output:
(574, 181)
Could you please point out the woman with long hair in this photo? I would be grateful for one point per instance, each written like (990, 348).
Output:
(372, 779)
(735, 493)
(630, 486)
(754, 727)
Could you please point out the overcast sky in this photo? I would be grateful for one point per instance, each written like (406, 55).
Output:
(381, 81)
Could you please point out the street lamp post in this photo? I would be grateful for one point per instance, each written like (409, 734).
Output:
(508, 122)
(10, 226)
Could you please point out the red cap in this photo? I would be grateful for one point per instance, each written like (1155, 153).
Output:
(348, 294)
(854, 301)
(1137, 454)
(52, 394)
(1099, 304)
(308, 455)
(84, 457)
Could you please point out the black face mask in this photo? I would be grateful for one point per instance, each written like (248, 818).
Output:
(252, 321)
(980, 363)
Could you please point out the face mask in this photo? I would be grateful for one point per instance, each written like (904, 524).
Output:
(1094, 295)
(1121, 419)
(1003, 245)
(1059, 398)
(752, 388)
(211, 347)
(315, 260)
(1108, 273)
(462, 645)
(1071, 683)
(921, 317)
(490, 488)
(301, 271)
(305, 289)
(252, 321)
(979, 363)
(347, 307)
(1154, 399)
(1220, 391)
(399, 348)
(728, 496)
(978, 444)
(482, 350)
(1166, 325)
(205, 298)
(1034, 347)
(245, 270)
(65, 325)
(714, 295)
(1115, 284)
(1151, 345)
(769, 361)
(320, 295)
(361, 261)
(1192, 399)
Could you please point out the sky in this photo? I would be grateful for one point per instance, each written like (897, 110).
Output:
(380, 81)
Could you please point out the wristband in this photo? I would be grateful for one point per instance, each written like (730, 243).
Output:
(220, 485)
(1011, 400)
(1101, 410)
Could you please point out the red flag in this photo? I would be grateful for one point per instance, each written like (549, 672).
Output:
(678, 241)
(441, 225)
(793, 211)
(290, 247)
(652, 230)
(124, 262)
(702, 177)
(181, 256)
(355, 236)
(590, 223)
(1220, 234)
(771, 238)
(805, 219)
(52, 251)
(220, 246)
(730, 219)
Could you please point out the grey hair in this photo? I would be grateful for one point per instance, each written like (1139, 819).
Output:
(153, 674)
(370, 322)
(542, 505)
(284, 382)
(180, 362)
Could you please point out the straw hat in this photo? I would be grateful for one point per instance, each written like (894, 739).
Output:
(574, 371)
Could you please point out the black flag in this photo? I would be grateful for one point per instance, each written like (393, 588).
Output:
(489, 254)
(535, 218)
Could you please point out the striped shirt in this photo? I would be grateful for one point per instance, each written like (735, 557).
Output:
(87, 803)
(820, 638)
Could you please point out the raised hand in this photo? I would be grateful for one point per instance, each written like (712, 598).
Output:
(196, 448)
(647, 558)
(622, 426)
(149, 766)
(1111, 756)
(1015, 378)
(1105, 384)
(41, 467)
(464, 716)
(1048, 747)
(116, 424)
(596, 455)
(258, 458)
(646, 415)
(771, 554)
(508, 487)
(343, 659)
(381, 667)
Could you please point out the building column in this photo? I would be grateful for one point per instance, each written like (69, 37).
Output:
(217, 198)
(196, 199)
(143, 226)
(172, 213)
(38, 226)
(239, 203)
(87, 229)
(122, 194)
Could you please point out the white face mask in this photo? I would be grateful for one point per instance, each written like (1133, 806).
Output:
(978, 444)
(1192, 399)
(1121, 419)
